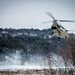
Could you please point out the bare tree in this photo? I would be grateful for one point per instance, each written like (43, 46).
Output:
(71, 42)
(68, 53)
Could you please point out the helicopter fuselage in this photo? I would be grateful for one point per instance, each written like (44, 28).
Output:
(57, 31)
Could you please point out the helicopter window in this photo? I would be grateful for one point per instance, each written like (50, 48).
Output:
(53, 27)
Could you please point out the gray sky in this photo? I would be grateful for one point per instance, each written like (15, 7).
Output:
(30, 13)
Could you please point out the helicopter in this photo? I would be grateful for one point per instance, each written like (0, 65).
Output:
(57, 29)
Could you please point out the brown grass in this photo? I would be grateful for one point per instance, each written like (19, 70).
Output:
(37, 71)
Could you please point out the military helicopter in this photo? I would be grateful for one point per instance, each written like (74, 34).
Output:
(57, 29)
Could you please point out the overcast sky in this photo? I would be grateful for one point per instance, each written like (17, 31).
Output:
(30, 13)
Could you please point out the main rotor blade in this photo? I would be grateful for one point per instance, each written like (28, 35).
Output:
(61, 25)
(47, 22)
(71, 30)
(66, 20)
(48, 13)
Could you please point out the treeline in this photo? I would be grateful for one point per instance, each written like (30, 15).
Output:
(25, 43)
(26, 40)
(45, 33)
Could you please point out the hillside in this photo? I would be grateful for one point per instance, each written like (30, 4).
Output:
(34, 40)
(23, 44)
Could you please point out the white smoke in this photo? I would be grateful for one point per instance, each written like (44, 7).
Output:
(15, 60)
(12, 59)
